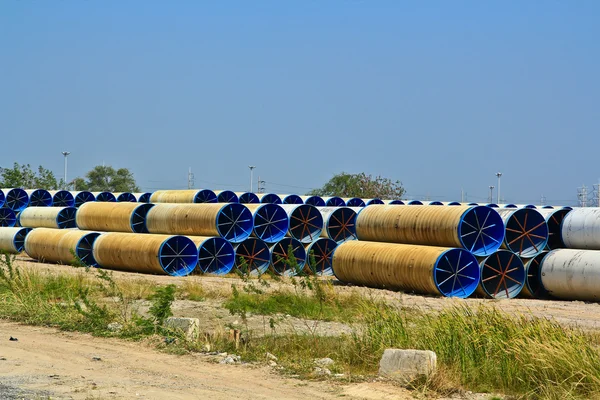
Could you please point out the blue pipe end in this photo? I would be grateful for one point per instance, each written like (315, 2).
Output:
(454, 203)
(145, 197)
(255, 254)
(234, 222)
(85, 249)
(249, 198)
(17, 199)
(436, 203)
(19, 239)
(271, 223)
(279, 253)
(126, 197)
(396, 203)
(529, 206)
(138, 218)
(215, 256)
(456, 273)
(271, 198)
(292, 199)
(84, 197)
(492, 205)
(178, 256)
(533, 279)
(65, 218)
(548, 207)
(306, 223)
(205, 196)
(320, 256)
(316, 201)
(554, 222)
(341, 225)
(2, 199)
(415, 203)
(526, 232)
(40, 198)
(63, 198)
(510, 206)
(227, 196)
(355, 202)
(502, 275)
(335, 202)
(481, 230)
(106, 197)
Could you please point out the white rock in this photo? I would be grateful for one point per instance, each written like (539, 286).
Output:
(270, 357)
(406, 365)
(324, 362)
(272, 363)
(189, 326)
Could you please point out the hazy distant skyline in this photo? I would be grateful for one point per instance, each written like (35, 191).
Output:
(440, 95)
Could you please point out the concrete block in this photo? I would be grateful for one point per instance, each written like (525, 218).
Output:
(189, 326)
(407, 365)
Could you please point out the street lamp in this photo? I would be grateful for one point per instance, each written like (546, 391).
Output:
(251, 176)
(66, 154)
(498, 174)
(491, 194)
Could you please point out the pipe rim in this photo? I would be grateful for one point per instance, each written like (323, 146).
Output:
(526, 232)
(215, 256)
(503, 267)
(256, 254)
(249, 198)
(138, 218)
(481, 230)
(436, 203)
(492, 205)
(40, 198)
(322, 253)
(355, 202)
(293, 199)
(280, 251)
(234, 222)
(65, 218)
(8, 218)
(85, 249)
(415, 203)
(344, 225)
(316, 201)
(510, 205)
(145, 197)
(533, 279)
(178, 255)
(19, 239)
(454, 203)
(456, 266)
(335, 202)
(205, 196)
(126, 197)
(554, 221)
(227, 196)
(17, 199)
(271, 222)
(106, 197)
(306, 223)
(84, 197)
(2, 198)
(63, 198)
(529, 206)
(270, 198)
(376, 200)
(547, 207)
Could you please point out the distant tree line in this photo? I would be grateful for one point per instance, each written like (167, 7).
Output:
(361, 185)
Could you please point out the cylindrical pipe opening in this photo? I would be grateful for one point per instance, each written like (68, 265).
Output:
(334, 201)
(454, 203)
(369, 202)
(39, 198)
(8, 218)
(306, 222)
(83, 197)
(456, 273)
(105, 197)
(435, 203)
(252, 256)
(178, 256)
(248, 198)
(234, 222)
(205, 196)
(16, 199)
(292, 199)
(85, 249)
(415, 203)
(62, 198)
(143, 197)
(492, 205)
(316, 201)
(215, 255)
(138, 218)
(481, 230)
(355, 202)
(2, 198)
(554, 219)
(533, 288)
(271, 222)
(66, 218)
(12, 240)
(270, 198)
(281, 260)
(227, 196)
(510, 206)
(502, 275)
(126, 197)
(526, 231)
(319, 255)
(339, 223)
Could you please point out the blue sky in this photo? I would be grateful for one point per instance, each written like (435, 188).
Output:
(438, 94)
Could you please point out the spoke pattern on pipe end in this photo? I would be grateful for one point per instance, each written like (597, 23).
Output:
(106, 197)
(126, 197)
(320, 255)
(145, 198)
(270, 198)
(355, 202)
(63, 198)
(271, 223)
(84, 197)
(341, 225)
(306, 223)
(40, 198)
(502, 275)
(8, 217)
(138, 218)
(205, 196)
(19, 239)
(481, 230)
(335, 202)
(375, 201)
(456, 273)
(255, 254)
(249, 198)
(534, 280)
(315, 201)
(555, 240)
(227, 196)
(85, 249)
(17, 199)
(66, 218)
(2, 198)
(279, 256)
(293, 199)
(526, 232)
(178, 256)
(215, 256)
(234, 222)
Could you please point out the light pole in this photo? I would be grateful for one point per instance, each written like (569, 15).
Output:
(66, 154)
(498, 174)
(251, 175)
(491, 194)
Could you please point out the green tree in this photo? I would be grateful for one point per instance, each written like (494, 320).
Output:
(360, 185)
(106, 178)
(23, 176)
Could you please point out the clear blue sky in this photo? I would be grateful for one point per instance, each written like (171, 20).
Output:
(438, 94)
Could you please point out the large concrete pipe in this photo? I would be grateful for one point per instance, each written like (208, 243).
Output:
(83, 196)
(354, 202)
(247, 198)
(12, 240)
(581, 228)
(533, 285)
(144, 253)
(306, 222)
(255, 254)
(319, 255)
(143, 197)
(478, 229)
(270, 198)
(215, 255)
(420, 269)
(334, 201)
(16, 199)
(62, 198)
(106, 197)
(48, 217)
(39, 198)
(226, 196)
(231, 221)
(184, 196)
(270, 221)
(291, 199)
(113, 217)
(125, 197)
(572, 274)
(526, 231)
(502, 275)
(393, 202)
(8, 217)
(279, 256)
(64, 246)
(316, 201)
(2, 198)
(339, 223)
(554, 218)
